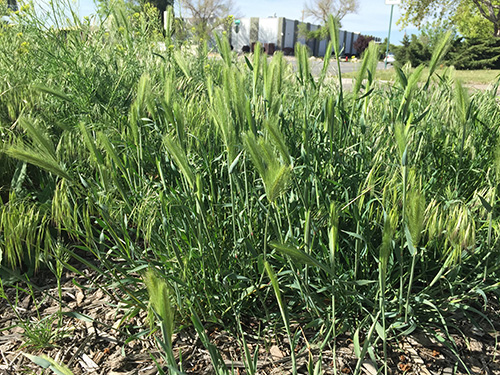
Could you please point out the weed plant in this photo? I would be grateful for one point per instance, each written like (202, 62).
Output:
(238, 181)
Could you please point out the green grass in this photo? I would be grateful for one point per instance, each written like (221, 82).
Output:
(246, 189)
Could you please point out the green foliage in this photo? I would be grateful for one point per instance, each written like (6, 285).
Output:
(475, 54)
(414, 51)
(47, 362)
(432, 33)
(462, 53)
(470, 23)
(321, 33)
(472, 18)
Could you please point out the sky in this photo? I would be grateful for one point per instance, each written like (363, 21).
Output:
(372, 18)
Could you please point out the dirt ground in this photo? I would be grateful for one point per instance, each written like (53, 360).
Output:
(102, 346)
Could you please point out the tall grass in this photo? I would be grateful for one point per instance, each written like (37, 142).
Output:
(368, 209)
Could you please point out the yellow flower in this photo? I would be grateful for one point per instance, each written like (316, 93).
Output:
(24, 47)
(19, 35)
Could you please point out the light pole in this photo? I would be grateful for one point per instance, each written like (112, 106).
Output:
(391, 3)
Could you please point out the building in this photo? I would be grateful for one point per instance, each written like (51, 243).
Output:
(280, 34)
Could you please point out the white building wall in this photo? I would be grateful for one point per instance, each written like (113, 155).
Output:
(268, 30)
(242, 38)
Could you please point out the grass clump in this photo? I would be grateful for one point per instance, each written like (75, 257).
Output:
(369, 210)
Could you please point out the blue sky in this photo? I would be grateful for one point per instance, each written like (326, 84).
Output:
(372, 18)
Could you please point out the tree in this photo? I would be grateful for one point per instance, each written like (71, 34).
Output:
(432, 33)
(162, 6)
(414, 50)
(12, 4)
(474, 53)
(470, 22)
(467, 11)
(321, 9)
(5, 5)
(105, 7)
(362, 43)
(206, 15)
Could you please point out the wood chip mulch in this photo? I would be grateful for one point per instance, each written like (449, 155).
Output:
(87, 347)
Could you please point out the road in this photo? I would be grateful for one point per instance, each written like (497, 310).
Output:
(345, 67)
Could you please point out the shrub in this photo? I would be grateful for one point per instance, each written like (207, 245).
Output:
(362, 43)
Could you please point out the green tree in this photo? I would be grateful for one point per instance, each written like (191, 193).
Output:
(161, 5)
(475, 53)
(401, 53)
(414, 50)
(469, 15)
(432, 33)
(5, 5)
(133, 6)
(470, 22)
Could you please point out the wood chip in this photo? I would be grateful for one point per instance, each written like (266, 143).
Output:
(276, 352)
(89, 363)
(79, 297)
(368, 368)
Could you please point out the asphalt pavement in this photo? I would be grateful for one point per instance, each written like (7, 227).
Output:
(345, 67)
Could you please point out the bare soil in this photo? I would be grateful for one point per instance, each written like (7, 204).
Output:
(101, 345)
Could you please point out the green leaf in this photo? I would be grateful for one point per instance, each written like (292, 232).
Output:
(47, 362)
(76, 315)
(357, 346)
(180, 158)
(234, 163)
(300, 256)
(37, 360)
(43, 161)
(485, 204)
(249, 64)
(53, 92)
(409, 241)
(380, 330)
